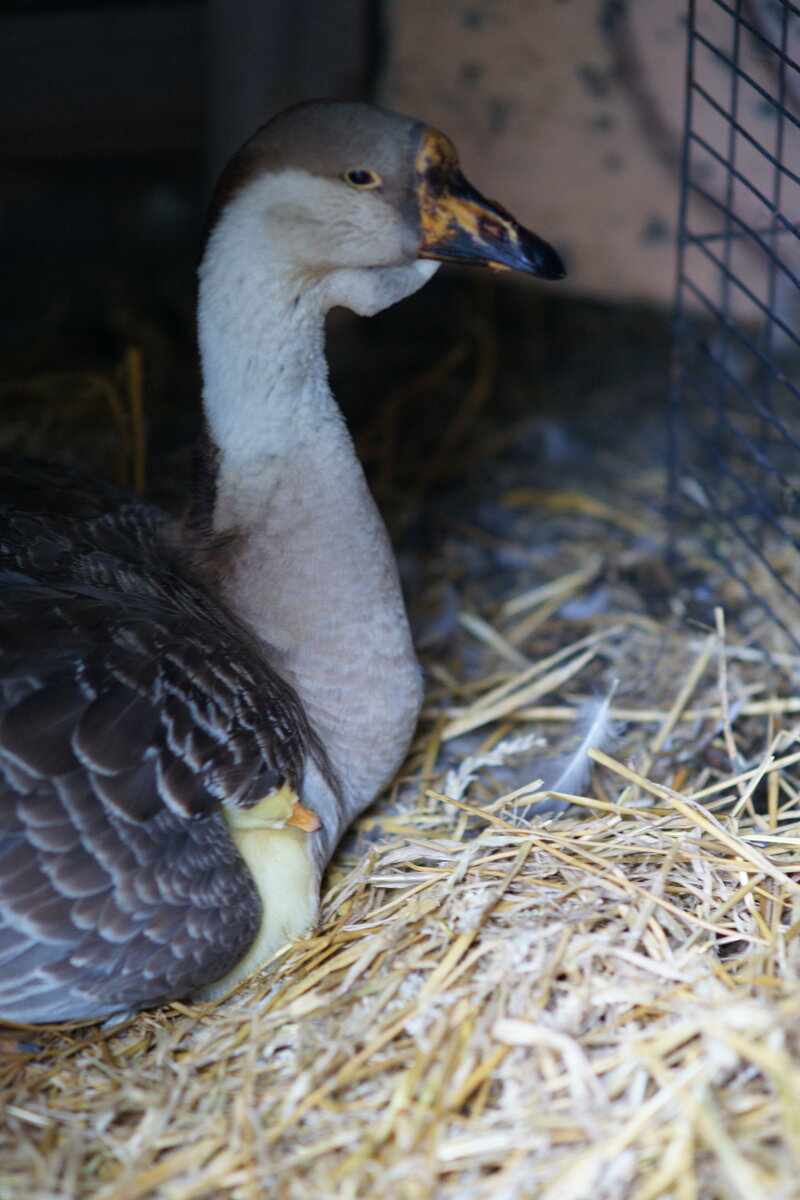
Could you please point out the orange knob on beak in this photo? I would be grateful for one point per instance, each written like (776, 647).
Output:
(461, 225)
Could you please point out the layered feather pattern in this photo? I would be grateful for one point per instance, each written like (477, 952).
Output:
(131, 707)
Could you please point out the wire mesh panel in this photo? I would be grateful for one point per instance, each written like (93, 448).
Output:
(736, 395)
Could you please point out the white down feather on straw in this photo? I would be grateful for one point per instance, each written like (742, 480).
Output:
(595, 729)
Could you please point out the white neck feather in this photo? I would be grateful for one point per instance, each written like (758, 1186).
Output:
(314, 574)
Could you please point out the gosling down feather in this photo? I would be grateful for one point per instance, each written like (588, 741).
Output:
(192, 712)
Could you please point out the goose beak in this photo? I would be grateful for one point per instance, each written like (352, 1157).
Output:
(460, 225)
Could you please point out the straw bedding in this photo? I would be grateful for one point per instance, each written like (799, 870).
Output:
(594, 1002)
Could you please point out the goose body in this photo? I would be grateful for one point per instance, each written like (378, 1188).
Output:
(193, 712)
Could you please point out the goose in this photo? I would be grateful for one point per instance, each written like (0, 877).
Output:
(193, 711)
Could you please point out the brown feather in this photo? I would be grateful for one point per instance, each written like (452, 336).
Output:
(131, 706)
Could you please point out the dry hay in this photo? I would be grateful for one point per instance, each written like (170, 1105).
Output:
(597, 1003)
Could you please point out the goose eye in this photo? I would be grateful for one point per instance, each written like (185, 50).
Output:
(361, 178)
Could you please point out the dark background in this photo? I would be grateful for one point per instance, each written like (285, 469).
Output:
(116, 119)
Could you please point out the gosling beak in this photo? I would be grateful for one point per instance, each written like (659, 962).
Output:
(303, 818)
(460, 225)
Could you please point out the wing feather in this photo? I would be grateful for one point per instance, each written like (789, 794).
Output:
(131, 707)
(115, 730)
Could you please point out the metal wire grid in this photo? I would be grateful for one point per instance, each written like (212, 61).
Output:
(735, 410)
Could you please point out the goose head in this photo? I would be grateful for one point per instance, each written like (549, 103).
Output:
(356, 206)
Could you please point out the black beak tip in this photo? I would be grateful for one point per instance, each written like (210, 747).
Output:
(555, 269)
(545, 262)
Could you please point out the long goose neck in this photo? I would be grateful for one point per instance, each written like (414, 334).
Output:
(264, 377)
(313, 573)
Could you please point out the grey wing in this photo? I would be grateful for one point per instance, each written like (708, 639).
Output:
(100, 914)
(130, 708)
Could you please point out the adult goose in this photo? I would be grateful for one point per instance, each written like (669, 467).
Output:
(193, 712)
